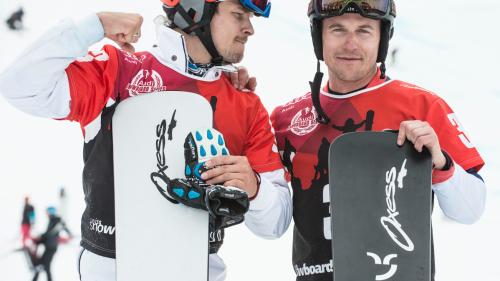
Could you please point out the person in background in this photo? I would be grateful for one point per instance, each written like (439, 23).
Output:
(27, 221)
(15, 21)
(50, 240)
(63, 204)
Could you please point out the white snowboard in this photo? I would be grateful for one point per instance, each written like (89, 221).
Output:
(156, 239)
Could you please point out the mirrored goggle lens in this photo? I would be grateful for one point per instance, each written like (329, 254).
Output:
(259, 7)
(262, 4)
(336, 7)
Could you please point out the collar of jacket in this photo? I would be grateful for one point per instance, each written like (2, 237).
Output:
(172, 52)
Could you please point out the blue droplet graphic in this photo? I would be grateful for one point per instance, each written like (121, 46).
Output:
(198, 136)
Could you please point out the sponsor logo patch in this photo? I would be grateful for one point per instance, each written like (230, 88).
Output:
(145, 81)
(133, 59)
(97, 226)
(97, 56)
(304, 121)
(314, 269)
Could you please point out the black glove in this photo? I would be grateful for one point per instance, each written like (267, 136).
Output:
(186, 191)
(227, 205)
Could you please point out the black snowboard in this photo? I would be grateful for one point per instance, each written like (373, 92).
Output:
(381, 208)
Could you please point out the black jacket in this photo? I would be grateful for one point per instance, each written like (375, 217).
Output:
(28, 212)
(50, 239)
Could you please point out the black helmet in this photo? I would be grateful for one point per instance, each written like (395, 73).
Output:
(196, 15)
(384, 10)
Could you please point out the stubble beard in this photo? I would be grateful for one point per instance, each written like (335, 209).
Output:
(232, 56)
(349, 75)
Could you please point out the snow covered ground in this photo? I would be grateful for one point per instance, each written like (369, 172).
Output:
(447, 46)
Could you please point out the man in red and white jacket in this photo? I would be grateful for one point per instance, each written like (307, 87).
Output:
(61, 80)
(351, 37)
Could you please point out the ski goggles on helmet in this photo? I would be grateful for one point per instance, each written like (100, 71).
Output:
(368, 8)
(258, 7)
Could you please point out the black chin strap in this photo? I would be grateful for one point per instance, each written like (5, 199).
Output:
(382, 70)
(202, 30)
(315, 91)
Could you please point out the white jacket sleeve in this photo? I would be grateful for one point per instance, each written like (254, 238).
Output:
(37, 82)
(270, 213)
(462, 197)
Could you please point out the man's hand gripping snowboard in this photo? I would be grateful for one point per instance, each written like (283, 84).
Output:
(226, 205)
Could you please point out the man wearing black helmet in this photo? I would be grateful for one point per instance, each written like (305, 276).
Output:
(198, 40)
(352, 36)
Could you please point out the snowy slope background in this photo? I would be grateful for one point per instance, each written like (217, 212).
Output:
(448, 46)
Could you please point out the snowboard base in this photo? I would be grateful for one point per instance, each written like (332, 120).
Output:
(381, 208)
